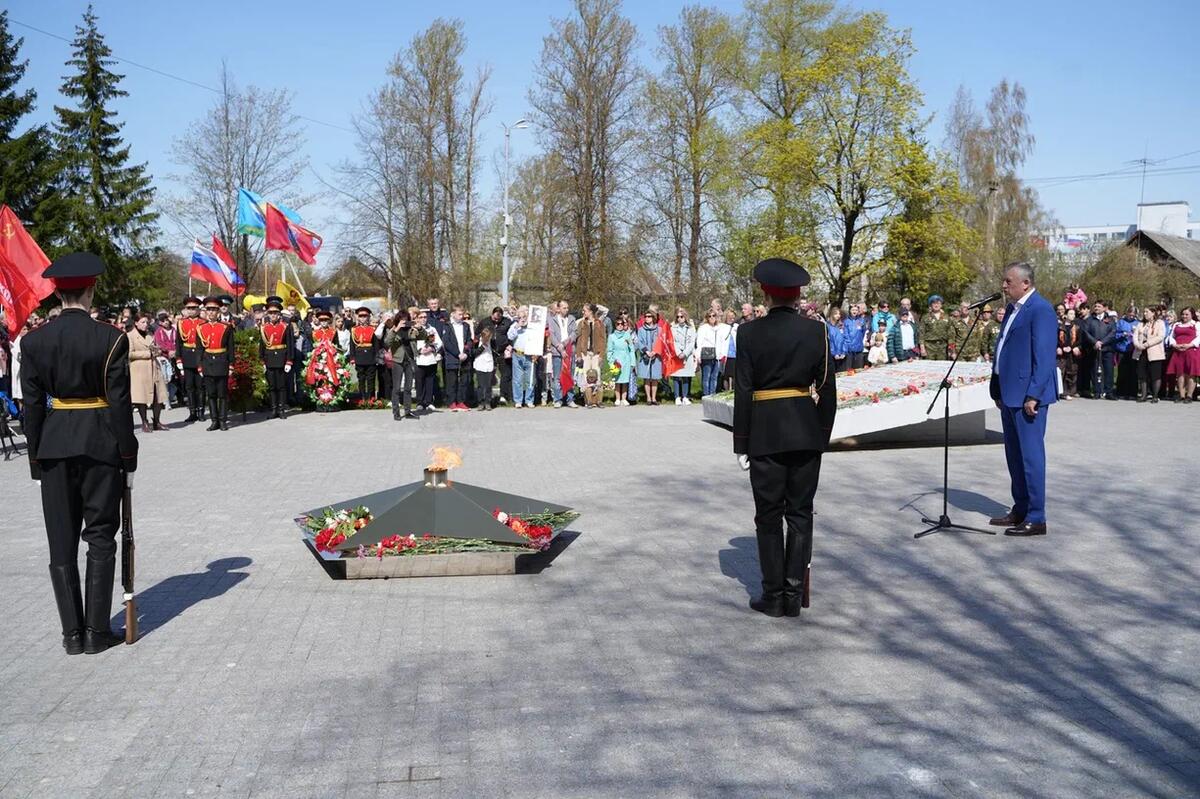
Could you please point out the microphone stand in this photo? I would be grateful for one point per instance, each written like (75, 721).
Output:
(943, 522)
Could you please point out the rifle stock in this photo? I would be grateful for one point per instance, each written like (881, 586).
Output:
(127, 567)
(804, 590)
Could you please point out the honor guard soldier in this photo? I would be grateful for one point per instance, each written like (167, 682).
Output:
(215, 339)
(937, 331)
(783, 409)
(79, 429)
(362, 352)
(324, 333)
(187, 359)
(278, 350)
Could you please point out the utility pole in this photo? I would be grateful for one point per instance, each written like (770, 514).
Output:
(504, 278)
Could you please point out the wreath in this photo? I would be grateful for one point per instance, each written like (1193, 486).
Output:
(326, 375)
(247, 375)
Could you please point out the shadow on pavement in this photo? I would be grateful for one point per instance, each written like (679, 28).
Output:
(162, 602)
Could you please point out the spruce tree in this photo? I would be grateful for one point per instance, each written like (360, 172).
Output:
(109, 199)
(27, 163)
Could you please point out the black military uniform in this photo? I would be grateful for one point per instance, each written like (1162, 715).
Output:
(215, 341)
(278, 350)
(783, 409)
(79, 428)
(187, 358)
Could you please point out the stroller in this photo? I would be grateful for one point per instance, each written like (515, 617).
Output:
(8, 412)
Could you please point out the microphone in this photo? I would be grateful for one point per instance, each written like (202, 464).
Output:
(980, 303)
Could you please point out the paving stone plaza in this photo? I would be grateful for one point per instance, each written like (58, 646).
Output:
(630, 665)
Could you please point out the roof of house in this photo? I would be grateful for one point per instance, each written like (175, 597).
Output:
(1184, 250)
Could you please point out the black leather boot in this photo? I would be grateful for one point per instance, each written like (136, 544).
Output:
(193, 415)
(282, 405)
(770, 560)
(97, 635)
(223, 413)
(214, 423)
(65, 580)
(795, 566)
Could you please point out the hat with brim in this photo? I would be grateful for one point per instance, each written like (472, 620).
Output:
(363, 312)
(75, 271)
(191, 302)
(987, 309)
(212, 302)
(274, 303)
(324, 314)
(781, 278)
(225, 299)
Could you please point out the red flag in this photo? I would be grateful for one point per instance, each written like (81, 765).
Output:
(664, 347)
(566, 375)
(284, 234)
(239, 287)
(22, 287)
(23, 252)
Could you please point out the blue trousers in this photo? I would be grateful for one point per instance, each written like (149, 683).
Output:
(1025, 450)
(708, 377)
(522, 379)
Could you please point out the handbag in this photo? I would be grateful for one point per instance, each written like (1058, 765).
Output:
(708, 353)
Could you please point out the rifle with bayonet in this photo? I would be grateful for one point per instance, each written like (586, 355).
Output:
(127, 564)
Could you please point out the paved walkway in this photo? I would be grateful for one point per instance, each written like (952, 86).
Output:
(958, 665)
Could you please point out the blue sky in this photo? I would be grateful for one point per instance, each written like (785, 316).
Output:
(1107, 81)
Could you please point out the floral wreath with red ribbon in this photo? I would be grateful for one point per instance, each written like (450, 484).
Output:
(326, 375)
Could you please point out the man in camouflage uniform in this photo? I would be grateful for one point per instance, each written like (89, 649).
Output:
(937, 331)
(991, 332)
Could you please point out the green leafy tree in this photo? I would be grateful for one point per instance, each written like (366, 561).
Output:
(927, 241)
(27, 161)
(108, 200)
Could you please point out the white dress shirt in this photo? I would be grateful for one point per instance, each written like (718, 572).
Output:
(1009, 319)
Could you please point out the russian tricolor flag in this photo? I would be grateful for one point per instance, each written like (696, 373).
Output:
(216, 266)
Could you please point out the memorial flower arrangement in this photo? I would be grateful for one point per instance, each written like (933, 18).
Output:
(332, 528)
(326, 375)
(371, 404)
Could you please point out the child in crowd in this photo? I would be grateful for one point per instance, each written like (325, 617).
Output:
(485, 367)
(877, 355)
(592, 390)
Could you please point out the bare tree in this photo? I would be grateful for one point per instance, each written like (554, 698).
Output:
(249, 138)
(584, 102)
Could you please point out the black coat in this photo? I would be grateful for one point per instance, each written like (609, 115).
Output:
(783, 350)
(453, 359)
(499, 334)
(75, 357)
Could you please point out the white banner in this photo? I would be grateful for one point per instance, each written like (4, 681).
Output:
(533, 340)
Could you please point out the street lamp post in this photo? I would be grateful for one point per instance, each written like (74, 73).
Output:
(519, 124)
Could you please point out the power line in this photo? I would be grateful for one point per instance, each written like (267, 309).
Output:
(165, 74)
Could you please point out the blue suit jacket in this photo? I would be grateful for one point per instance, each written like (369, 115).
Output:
(1026, 367)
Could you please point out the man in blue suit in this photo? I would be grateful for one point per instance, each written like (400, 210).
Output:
(1024, 385)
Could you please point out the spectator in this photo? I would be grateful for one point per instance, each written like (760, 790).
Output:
(342, 326)
(1074, 297)
(906, 305)
(498, 323)
(706, 349)
(1184, 365)
(883, 314)
(854, 331)
(621, 354)
(146, 385)
(1099, 333)
(1067, 352)
(591, 340)
(760, 311)
(685, 348)
(1127, 371)
(878, 354)
(523, 364)
(937, 331)
(837, 339)
(904, 342)
(485, 368)
(397, 340)
(456, 360)
(729, 355)
(747, 312)
(164, 339)
(649, 368)
(562, 328)
(1149, 353)
(428, 356)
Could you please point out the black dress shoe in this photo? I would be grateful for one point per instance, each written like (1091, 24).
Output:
(73, 643)
(1027, 529)
(770, 605)
(96, 641)
(1007, 520)
(411, 415)
(791, 605)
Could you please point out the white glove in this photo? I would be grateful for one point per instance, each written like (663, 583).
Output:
(287, 368)
(129, 480)
(744, 462)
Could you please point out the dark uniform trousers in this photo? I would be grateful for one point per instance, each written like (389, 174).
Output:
(366, 380)
(81, 493)
(193, 386)
(784, 486)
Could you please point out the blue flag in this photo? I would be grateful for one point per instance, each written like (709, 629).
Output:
(252, 209)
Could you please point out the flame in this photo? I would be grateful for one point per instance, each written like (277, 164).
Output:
(444, 458)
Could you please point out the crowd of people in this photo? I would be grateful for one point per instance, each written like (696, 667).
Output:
(421, 359)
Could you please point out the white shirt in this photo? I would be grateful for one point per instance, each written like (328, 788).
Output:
(907, 339)
(1009, 319)
(458, 335)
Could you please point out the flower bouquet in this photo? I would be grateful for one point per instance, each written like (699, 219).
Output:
(333, 527)
(247, 375)
(371, 404)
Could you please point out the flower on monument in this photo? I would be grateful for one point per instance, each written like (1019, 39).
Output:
(500, 516)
